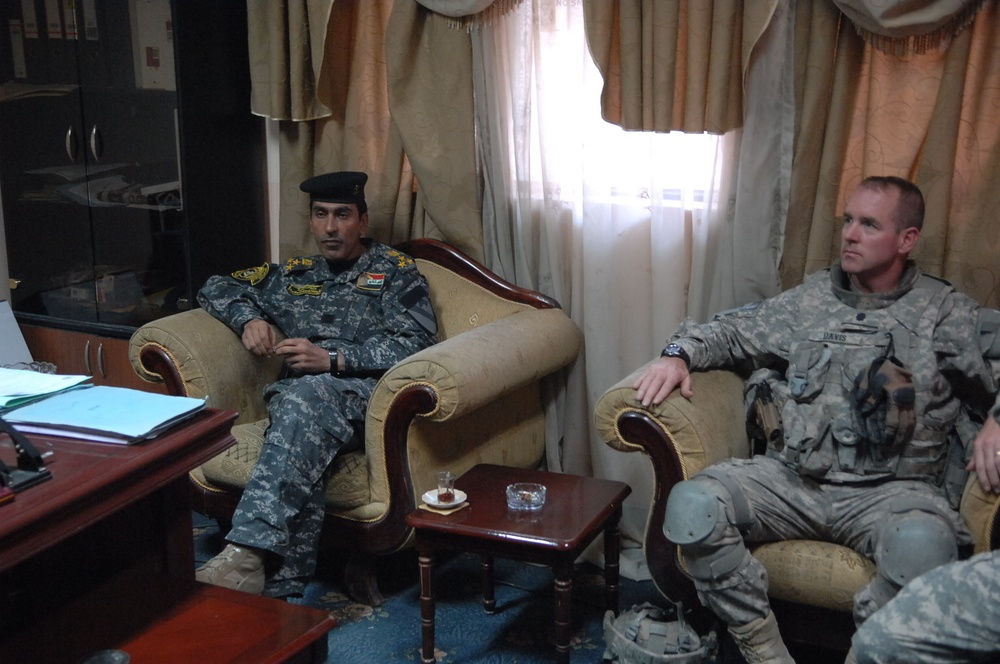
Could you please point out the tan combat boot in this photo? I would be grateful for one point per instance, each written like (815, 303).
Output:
(760, 643)
(237, 568)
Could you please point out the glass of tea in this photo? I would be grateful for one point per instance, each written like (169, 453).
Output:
(446, 486)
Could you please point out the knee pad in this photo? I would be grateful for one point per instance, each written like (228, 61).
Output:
(914, 542)
(693, 509)
(696, 511)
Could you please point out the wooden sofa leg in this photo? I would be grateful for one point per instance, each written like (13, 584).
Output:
(360, 577)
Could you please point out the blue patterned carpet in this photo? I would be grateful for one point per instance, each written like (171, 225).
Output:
(521, 631)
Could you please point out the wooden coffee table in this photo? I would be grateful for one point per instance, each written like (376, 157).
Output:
(576, 510)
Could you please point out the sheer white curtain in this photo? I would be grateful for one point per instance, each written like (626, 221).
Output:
(610, 223)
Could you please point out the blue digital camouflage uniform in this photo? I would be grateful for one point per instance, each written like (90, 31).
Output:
(831, 475)
(376, 312)
(949, 615)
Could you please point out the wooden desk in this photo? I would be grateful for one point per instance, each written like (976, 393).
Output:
(576, 510)
(102, 556)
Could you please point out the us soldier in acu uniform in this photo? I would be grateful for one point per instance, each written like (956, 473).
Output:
(868, 378)
(349, 313)
(950, 615)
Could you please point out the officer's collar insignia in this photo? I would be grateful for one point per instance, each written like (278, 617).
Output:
(254, 275)
(371, 281)
(402, 260)
(305, 289)
(298, 264)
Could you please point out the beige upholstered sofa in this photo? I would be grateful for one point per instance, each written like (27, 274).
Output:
(474, 397)
(811, 583)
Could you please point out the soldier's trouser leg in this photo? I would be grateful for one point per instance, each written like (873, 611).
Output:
(702, 520)
(283, 504)
(948, 615)
(916, 535)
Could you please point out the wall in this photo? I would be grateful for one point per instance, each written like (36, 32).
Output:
(4, 285)
(273, 188)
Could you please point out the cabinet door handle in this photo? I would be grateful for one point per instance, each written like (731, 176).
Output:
(71, 144)
(100, 360)
(96, 144)
(86, 358)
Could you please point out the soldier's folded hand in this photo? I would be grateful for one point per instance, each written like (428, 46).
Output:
(258, 337)
(303, 356)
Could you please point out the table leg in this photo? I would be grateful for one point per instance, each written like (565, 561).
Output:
(425, 561)
(612, 553)
(489, 598)
(564, 609)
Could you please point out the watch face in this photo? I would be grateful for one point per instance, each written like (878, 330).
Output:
(673, 350)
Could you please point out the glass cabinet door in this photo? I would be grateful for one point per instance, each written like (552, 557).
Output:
(89, 160)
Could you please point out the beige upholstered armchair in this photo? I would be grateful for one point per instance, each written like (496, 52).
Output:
(474, 397)
(812, 583)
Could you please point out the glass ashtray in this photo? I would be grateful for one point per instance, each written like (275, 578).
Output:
(525, 496)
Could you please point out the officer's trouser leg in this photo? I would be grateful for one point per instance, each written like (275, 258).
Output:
(729, 581)
(283, 504)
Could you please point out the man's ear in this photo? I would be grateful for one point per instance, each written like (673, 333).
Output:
(908, 239)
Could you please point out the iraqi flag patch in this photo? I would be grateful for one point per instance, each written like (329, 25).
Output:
(371, 281)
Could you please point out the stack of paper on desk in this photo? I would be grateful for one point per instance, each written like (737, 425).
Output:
(104, 414)
(19, 386)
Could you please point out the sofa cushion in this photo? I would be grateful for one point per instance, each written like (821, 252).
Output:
(815, 573)
(346, 485)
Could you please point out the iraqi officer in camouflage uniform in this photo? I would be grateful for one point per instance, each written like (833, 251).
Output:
(866, 375)
(950, 615)
(349, 313)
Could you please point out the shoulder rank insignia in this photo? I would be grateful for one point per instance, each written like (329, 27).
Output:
(402, 260)
(305, 289)
(298, 264)
(371, 281)
(254, 275)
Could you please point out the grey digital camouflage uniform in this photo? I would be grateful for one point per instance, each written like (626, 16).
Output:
(375, 312)
(821, 479)
(949, 615)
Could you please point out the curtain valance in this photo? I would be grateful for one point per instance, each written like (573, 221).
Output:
(470, 14)
(909, 26)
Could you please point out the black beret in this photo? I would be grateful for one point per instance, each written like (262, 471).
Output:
(341, 187)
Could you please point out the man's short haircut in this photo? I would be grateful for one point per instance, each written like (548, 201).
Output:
(909, 207)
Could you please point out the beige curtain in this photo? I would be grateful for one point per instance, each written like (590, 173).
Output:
(827, 56)
(359, 86)
(287, 42)
(675, 64)
(930, 117)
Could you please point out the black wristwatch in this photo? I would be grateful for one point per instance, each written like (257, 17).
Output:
(673, 350)
(333, 362)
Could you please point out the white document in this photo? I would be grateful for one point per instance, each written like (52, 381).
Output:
(104, 413)
(19, 386)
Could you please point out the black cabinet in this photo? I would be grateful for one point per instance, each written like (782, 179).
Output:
(131, 167)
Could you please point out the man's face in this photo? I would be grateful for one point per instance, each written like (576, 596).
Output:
(871, 247)
(338, 229)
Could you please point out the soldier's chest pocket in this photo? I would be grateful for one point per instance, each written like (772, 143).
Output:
(361, 315)
(835, 359)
